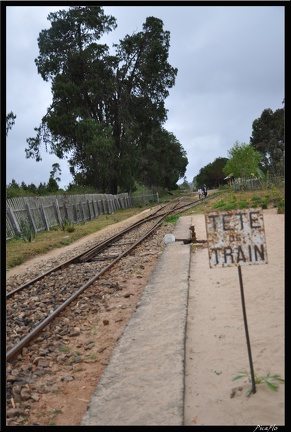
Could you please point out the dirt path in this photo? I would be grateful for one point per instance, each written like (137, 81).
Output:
(216, 346)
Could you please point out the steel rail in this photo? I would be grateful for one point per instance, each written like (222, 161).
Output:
(79, 258)
(23, 342)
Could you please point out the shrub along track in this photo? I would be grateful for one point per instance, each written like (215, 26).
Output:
(74, 348)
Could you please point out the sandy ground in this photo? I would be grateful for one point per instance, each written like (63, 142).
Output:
(216, 347)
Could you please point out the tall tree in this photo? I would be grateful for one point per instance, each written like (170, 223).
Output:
(81, 73)
(211, 174)
(268, 137)
(162, 159)
(52, 185)
(217, 174)
(56, 170)
(101, 103)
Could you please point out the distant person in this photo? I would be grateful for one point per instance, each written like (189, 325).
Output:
(205, 191)
(200, 193)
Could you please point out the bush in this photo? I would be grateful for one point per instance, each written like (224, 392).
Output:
(281, 207)
(67, 225)
(27, 232)
(70, 228)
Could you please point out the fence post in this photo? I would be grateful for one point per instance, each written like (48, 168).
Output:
(109, 206)
(89, 211)
(29, 214)
(102, 206)
(106, 206)
(44, 218)
(75, 213)
(58, 214)
(13, 221)
(94, 211)
(66, 211)
(82, 211)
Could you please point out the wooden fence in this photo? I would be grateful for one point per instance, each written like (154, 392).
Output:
(257, 184)
(41, 213)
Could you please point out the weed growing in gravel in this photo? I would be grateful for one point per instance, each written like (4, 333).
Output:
(193, 247)
(268, 379)
(56, 411)
(24, 421)
(91, 357)
(62, 348)
(172, 219)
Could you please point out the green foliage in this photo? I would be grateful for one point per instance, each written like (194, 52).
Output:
(172, 219)
(56, 411)
(269, 380)
(243, 204)
(74, 189)
(14, 190)
(281, 206)
(15, 261)
(52, 185)
(233, 201)
(163, 160)
(70, 228)
(220, 205)
(212, 174)
(63, 348)
(27, 233)
(185, 186)
(243, 161)
(268, 137)
(110, 127)
(67, 225)
(256, 198)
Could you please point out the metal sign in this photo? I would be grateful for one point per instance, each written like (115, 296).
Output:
(236, 237)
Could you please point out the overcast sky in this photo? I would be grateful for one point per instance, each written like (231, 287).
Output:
(230, 62)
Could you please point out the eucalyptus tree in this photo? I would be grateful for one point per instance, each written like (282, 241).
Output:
(268, 137)
(163, 160)
(212, 174)
(101, 103)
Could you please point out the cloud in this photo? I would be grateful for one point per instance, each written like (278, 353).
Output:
(230, 62)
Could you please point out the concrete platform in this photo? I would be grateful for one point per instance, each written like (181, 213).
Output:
(143, 383)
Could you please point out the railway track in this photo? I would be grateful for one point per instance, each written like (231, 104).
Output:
(55, 289)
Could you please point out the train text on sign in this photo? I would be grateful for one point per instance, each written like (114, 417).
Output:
(236, 237)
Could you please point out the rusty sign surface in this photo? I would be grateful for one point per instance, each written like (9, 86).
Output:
(236, 237)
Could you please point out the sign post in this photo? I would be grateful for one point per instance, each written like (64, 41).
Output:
(237, 238)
